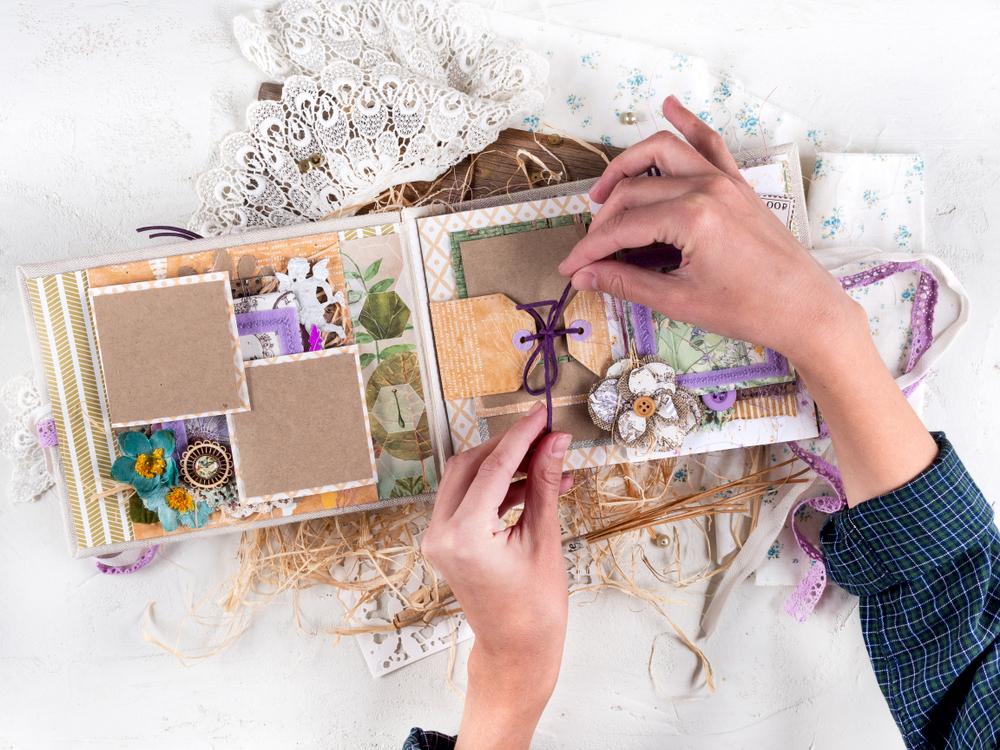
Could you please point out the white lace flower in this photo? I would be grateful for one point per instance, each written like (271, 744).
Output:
(640, 403)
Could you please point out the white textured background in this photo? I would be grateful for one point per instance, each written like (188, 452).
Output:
(108, 112)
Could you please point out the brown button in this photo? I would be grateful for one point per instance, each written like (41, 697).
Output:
(644, 406)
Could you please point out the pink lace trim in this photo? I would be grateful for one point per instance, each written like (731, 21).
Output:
(142, 562)
(807, 594)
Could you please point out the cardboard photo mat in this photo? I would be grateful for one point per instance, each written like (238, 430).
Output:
(169, 349)
(308, 431)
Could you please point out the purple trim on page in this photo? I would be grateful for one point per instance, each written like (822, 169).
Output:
(775, 366)
(645, 335)
(283, 321)
(664, 256)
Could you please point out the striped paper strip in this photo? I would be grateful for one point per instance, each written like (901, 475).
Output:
(71, 360)
(363, 232)
(761, 407)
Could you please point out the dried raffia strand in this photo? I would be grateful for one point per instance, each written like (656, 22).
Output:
(583, 143)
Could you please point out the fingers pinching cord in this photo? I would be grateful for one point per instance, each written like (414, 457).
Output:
(488, 489)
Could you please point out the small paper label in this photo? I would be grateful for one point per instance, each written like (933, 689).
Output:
(781, 207)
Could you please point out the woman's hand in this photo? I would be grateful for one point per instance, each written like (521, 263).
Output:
(512, 583)
(743, 274)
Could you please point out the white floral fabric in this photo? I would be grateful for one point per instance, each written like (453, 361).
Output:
(870, 200)
(595, 79)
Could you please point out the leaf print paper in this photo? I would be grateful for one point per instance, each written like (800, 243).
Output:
(378, 294)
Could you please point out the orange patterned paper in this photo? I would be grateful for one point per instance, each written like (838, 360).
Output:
(594, 352)
(475, 345)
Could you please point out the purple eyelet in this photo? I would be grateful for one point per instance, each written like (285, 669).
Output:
(522, 340)
(581, 330)
(719, 401)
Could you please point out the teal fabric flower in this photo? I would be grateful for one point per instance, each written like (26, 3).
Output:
(145, 463)
(175, 505)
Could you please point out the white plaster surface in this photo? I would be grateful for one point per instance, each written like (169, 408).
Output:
(108, 112)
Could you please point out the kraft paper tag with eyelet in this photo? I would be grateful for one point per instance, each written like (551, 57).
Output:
(477, 347)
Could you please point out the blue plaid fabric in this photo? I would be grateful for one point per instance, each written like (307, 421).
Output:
(925, 561)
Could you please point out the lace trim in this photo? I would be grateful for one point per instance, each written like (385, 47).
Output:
(116, 570)
(373, 129)
(807, 594)
(46, 431)
(924, 303)
(443, 42)
(19, 439)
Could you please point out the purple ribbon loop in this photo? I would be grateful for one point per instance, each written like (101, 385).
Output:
(545, 348)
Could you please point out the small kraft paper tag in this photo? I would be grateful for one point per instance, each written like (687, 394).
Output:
(475, 342)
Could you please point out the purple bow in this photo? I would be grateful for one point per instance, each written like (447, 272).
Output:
(545, 348)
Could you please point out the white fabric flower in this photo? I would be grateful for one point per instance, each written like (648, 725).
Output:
(640, 403)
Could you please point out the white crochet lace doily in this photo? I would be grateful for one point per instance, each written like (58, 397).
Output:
(19, 440)
(374, 128)
(444, 42)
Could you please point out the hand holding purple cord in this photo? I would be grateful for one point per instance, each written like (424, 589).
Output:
(511, 583)
(734, 250)
(745, 276)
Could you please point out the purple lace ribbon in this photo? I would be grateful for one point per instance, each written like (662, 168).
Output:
(47, 435)
(115, 570)
(807, 594)
(924, 301)
(545, 348)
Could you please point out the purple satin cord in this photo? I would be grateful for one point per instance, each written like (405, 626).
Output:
(546, 348)
(184, 234)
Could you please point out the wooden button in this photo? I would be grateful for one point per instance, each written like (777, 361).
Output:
(644, 406)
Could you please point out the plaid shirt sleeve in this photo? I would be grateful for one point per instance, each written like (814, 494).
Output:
(421, 740)
(925, 561)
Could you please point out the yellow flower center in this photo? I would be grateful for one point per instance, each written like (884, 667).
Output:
(150, 464)
(180, 500)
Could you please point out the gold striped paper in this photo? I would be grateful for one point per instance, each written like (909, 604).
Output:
(72, 365)
(364, 232)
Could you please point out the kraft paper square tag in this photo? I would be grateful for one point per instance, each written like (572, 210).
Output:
(169, 349)
(308, 432)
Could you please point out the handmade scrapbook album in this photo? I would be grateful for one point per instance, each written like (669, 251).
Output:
(284, 374)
